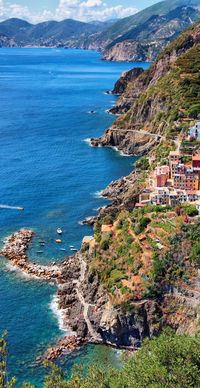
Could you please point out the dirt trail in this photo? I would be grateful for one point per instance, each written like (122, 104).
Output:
(83, 268)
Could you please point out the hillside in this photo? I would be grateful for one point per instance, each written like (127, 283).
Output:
(146, 41)
(50, 33)
(127, 24)
(160, 100)
(142, 36)
(140, 272)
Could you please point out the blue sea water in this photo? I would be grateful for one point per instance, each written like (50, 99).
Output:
(48, 168)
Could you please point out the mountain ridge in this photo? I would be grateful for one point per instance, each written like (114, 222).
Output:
(139, 37)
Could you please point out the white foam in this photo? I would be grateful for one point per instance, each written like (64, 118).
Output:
(14, 268)
(109, 112)
(120, 152)
(60, 315)
(97, 209)
(88, 142)
(83, 222)
(98, 194)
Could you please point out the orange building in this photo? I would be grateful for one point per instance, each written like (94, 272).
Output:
(188, 181)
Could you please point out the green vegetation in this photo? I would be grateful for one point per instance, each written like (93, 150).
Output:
(143, 164)
(167, 361)
(4, 381)
(162, 151)
(190, 209)
(194, 110)
(193, 232)
(174, 97)
(143, 254)
(142, 224)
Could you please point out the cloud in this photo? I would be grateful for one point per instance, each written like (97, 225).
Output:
(84, 10)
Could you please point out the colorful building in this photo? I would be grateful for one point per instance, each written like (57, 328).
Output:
(174, 159)
(194, 132)
(196, 162)
(161, 175)
(187, 181)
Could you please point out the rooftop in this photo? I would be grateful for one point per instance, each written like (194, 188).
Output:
(174, 153)
(196, 157)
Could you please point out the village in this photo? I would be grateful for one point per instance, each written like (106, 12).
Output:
(178, 180)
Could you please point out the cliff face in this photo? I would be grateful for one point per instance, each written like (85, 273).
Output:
(129, 51)
(158, 98)
(125, 78)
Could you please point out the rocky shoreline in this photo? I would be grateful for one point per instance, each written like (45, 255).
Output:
(86, 307)
(15, 250)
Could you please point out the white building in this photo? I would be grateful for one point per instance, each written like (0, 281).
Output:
(195, 131)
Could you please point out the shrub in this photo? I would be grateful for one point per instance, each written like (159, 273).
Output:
(194, 111)
(190, 209)
(167, 361)
(143, 164)
(141, 226)
(105, 242)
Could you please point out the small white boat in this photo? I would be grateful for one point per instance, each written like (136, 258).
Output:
(59, 231)
(74, 249)
(71, 246)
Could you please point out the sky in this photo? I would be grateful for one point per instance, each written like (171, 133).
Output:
(86, 10)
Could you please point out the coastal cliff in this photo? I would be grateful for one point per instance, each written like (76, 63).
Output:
(114, 291)
(156, 102)
(133, 51)
(125, 78)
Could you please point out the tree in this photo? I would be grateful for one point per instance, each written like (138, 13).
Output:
(4, 381)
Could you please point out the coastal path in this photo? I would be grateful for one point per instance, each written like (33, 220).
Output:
(83, 268)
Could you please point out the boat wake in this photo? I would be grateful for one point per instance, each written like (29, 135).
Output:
(11, 207)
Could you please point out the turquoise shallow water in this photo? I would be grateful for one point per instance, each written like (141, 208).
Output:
(48, 168)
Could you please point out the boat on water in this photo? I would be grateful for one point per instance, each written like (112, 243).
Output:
(74, 249)
(59, 231)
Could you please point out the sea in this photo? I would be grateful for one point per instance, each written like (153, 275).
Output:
(48, 167)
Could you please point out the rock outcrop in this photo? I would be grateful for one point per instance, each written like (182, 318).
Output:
(125, 78)
(15, 250)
